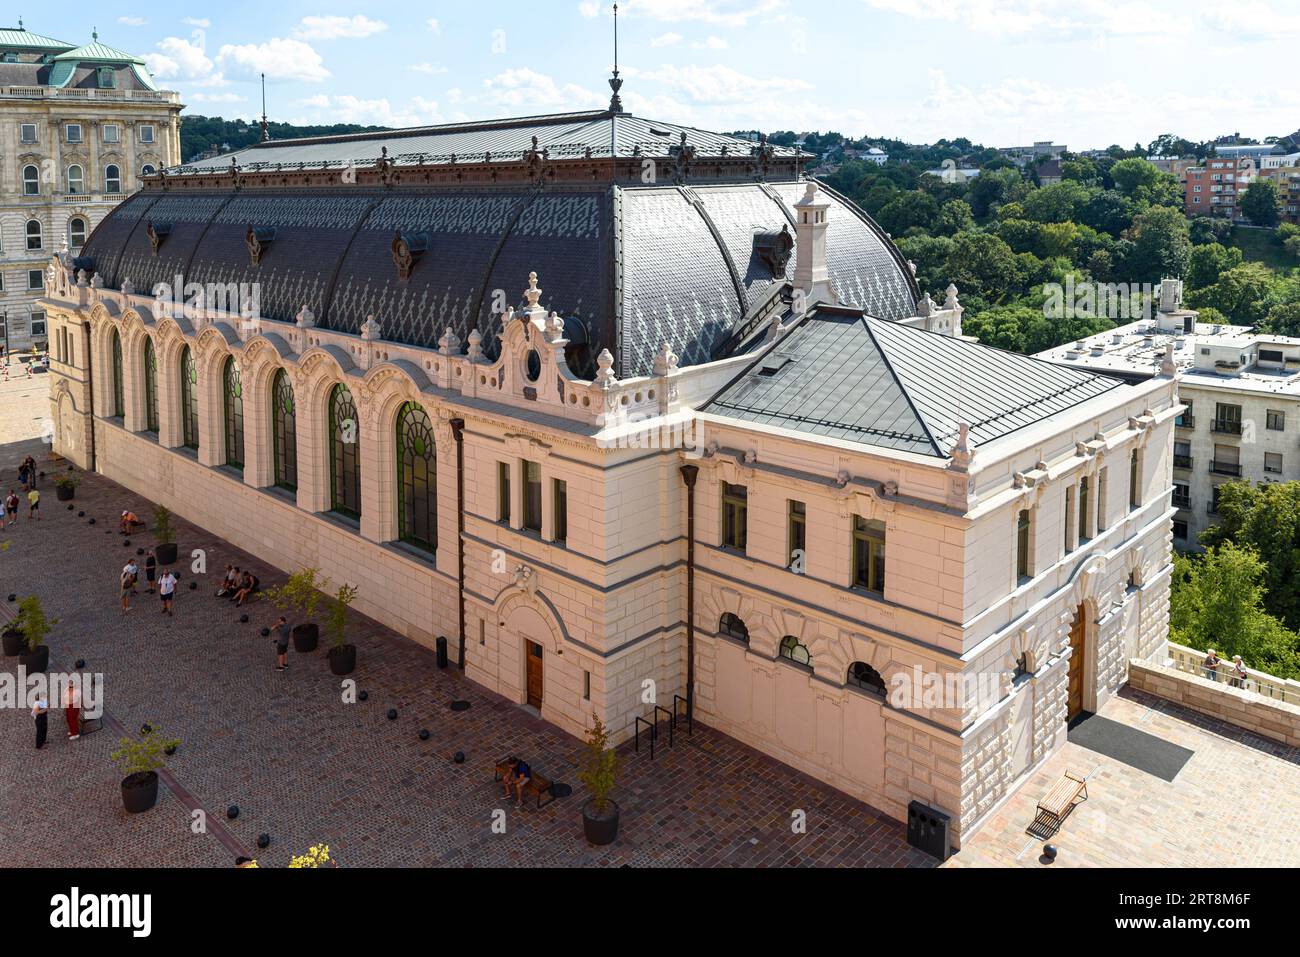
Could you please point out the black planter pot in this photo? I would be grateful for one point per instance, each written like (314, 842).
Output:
(64, 494)
(13, 643)
(343, 661)
(35, 661)
(600, 828)
(305, 638)
(166, 554)
(140, 791)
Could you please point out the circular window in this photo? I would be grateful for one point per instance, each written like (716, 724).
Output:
(534, 365)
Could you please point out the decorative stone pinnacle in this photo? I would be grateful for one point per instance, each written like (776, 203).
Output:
(305, 319)
(1168, 367)
(665, 360)
(605, 378)
(534, 293)
(926, 306)
(449, 343)
(963, 451)
(128, 287)
(475, 352)
(371, 330)
(554, 327)
(950, 297)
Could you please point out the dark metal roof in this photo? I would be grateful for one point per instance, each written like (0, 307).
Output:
(847, 376)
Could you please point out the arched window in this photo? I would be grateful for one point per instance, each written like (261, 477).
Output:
(862, 675)
(795, 651)
(189, 399)
(417, 478)
(284, 431)
(345, 461)
(76, 179)
(31, 181)
(76, 232)
(150, 387)
(233, 403)
(733, 627)
(119, 395)
(34, 239)
(147, 170)
(112, 178)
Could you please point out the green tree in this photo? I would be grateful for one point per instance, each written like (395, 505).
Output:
(1208, 262)
(1162, 246)
(985, 265)
(1260, 202)
(1244, 293)
(930, 253)
(954, 217)
(1282, 320)
(908, 209)
(1131, 174)
(1058, 203)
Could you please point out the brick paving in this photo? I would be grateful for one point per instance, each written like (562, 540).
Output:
(1236, 802)
(306, 768)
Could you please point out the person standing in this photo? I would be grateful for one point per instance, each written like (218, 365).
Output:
(11, 507)
(1211, 665)
(33, 506)
(1238, 672)
(41, 715)
(126, 589)
(167, 591)
(72, 708)
(281, 644)
(150, 569)
(132, 569)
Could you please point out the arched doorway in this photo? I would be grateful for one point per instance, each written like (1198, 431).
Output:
(1078, 637)
(529, 631)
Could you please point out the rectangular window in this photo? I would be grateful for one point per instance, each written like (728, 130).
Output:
(560, 512)
(1134, 474)
(533, 497)
(1084, 524)
(110, 132)
(1275, 420)
(1185, 418)
(1227, 418)
(1103, 482)
(1273, 462)
(1022, 544)
(36, 279)
(146, 133)
(1213, 507)
(1226, 461)
(1182, 495)
(107, 77)
(586, 686)
(1180, 530)
(38, 324)
(503, 492)
(868, 554)
(72, 132)
(796, 539)
(29, 132)
(735, 504)
(1069, 520)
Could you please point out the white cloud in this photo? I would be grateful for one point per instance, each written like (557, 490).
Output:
(132, 21)
(1048, 20)
(428, 68)
(667, 40)
(201, 22)
(216, 98)
(712, 43)
(589, 8)
(719, 84)
(727, 13)
(334, 28)
(435, 26)
(181, 59)
(523, 87)
(418, 111)
(1250, 20)
(279, 58)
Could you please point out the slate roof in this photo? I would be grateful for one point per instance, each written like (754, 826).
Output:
(847, 376)
(564, 135)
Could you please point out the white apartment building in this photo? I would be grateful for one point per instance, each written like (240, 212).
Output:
(762, 477)
(1240, 389)
(79, 125)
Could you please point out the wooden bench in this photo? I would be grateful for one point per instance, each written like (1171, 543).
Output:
(1058, 802)
(537, 785)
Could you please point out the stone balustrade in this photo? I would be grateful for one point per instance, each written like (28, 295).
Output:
(1192, 661)
(1267, 717)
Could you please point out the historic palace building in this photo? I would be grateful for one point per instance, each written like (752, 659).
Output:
(632, 413)
(79, 126)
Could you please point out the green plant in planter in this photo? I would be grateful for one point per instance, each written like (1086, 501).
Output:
(33, 622)
(301, 593)
(600, 765)
(336, 625)
(145, 755)
(163, 531)
(67, 480)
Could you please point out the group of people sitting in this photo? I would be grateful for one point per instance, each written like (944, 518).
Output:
(238, 585)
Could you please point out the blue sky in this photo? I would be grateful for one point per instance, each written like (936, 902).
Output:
(1084, 72)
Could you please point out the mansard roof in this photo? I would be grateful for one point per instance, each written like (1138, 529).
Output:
(845, 375)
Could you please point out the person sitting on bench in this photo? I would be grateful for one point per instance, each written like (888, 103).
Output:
(229, 584)
(517, 776)
(130, 522)
(247, 587)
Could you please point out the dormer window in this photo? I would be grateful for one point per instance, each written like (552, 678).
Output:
(107, 77)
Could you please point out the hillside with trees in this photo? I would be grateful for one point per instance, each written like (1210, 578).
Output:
(199, 134)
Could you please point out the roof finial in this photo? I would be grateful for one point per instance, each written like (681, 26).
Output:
(265, 135)
(94, 33)
(615, 84)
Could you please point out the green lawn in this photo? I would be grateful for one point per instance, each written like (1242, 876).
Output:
(1261, 245)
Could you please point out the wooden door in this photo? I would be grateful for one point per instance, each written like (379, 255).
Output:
(533, 652)
(1078, 631)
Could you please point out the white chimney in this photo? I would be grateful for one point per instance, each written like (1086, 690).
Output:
(811, 274)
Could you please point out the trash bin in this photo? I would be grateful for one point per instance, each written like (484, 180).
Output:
(442, 651)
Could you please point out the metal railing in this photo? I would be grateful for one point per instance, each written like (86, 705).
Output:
(1226, 468)
(1227, 426)
(1182, 461)
(1192, 661)
(1182, 501)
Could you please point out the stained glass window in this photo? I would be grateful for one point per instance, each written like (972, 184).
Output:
(345, 459)
(417, 478)
(284, 431)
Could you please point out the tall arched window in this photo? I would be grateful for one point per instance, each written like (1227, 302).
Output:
(417, 478)
(284, 430)
(76, 232)
(76, 179)
(189, 399)
(150, 387)
(112, 178)
(34, 238)
(345, 460)
(31, 181)
(119, 394)
(233, 396)
(794, 650)
(731, 626)
(862, 675)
